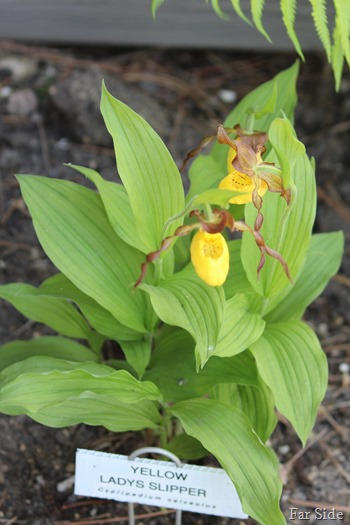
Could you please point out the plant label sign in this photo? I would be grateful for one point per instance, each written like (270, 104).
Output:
(193, 488)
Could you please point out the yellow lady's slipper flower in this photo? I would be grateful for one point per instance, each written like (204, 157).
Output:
(210, 257)
(241, 182)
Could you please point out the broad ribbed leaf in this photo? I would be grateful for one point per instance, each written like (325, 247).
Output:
(286, 230)
(56, 312)
(239, 328)
(215, 196)
(286, 147)
(173, 368)
(256, 401)
(52, 346)
(51, 381)
(291, 362)
(138, 354)
(226, 433)
(186, 447)
(117, 206)
(205, 173)
(322, 261)
(99, 318)
(98, 410)
(187, 302)
(75, 233)
(149, 173)
(236, 281)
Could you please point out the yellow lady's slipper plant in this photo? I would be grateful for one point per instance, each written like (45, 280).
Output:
(209, 354)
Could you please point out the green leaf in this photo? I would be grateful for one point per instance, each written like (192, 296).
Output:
(149, 173)
(267, 107)
(286, 146)
(236, 4)
(99, 318)
(236, 281)
(98, 410)
(226, 432)
(322, 261)
(239, 328)
(53, 346)
(117, 206)
(216, 6)
(256, 401)
(215, 196)
(204, 173)
(337, 56)
(342, 9)
(75, 233)
(257, 8)
(55, 312)
(319, 15)
(186, 447)
(173, 368)
(51, 381)
(138, 354)
(155, 6)
(292, 236)
(291, 362)
(288, 8)
(186, 301)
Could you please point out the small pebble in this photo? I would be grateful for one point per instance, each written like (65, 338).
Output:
(228, 96)
(284, 449)
(5, 92)
(22, 102)
(322, 330)
(344, 368)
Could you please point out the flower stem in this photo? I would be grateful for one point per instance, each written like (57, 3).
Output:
(208, 212)
(249, 126)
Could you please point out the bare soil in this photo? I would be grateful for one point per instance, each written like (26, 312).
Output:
(49, 115)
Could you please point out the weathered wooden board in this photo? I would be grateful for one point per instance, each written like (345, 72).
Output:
(179, 23)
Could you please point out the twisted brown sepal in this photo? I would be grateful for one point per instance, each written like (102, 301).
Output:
(166, 243)
(196, 151)
(204, 143)
(264, 249)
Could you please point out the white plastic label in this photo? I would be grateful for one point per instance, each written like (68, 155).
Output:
(161, 483)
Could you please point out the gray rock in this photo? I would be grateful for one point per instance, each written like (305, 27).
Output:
(78, 97)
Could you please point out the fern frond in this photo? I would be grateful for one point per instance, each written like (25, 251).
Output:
(319, 14)
(288, 9)
(337, 56)
(236, 4)
(217, 9)
(155, 5)
(257, 8)
(342, 22)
